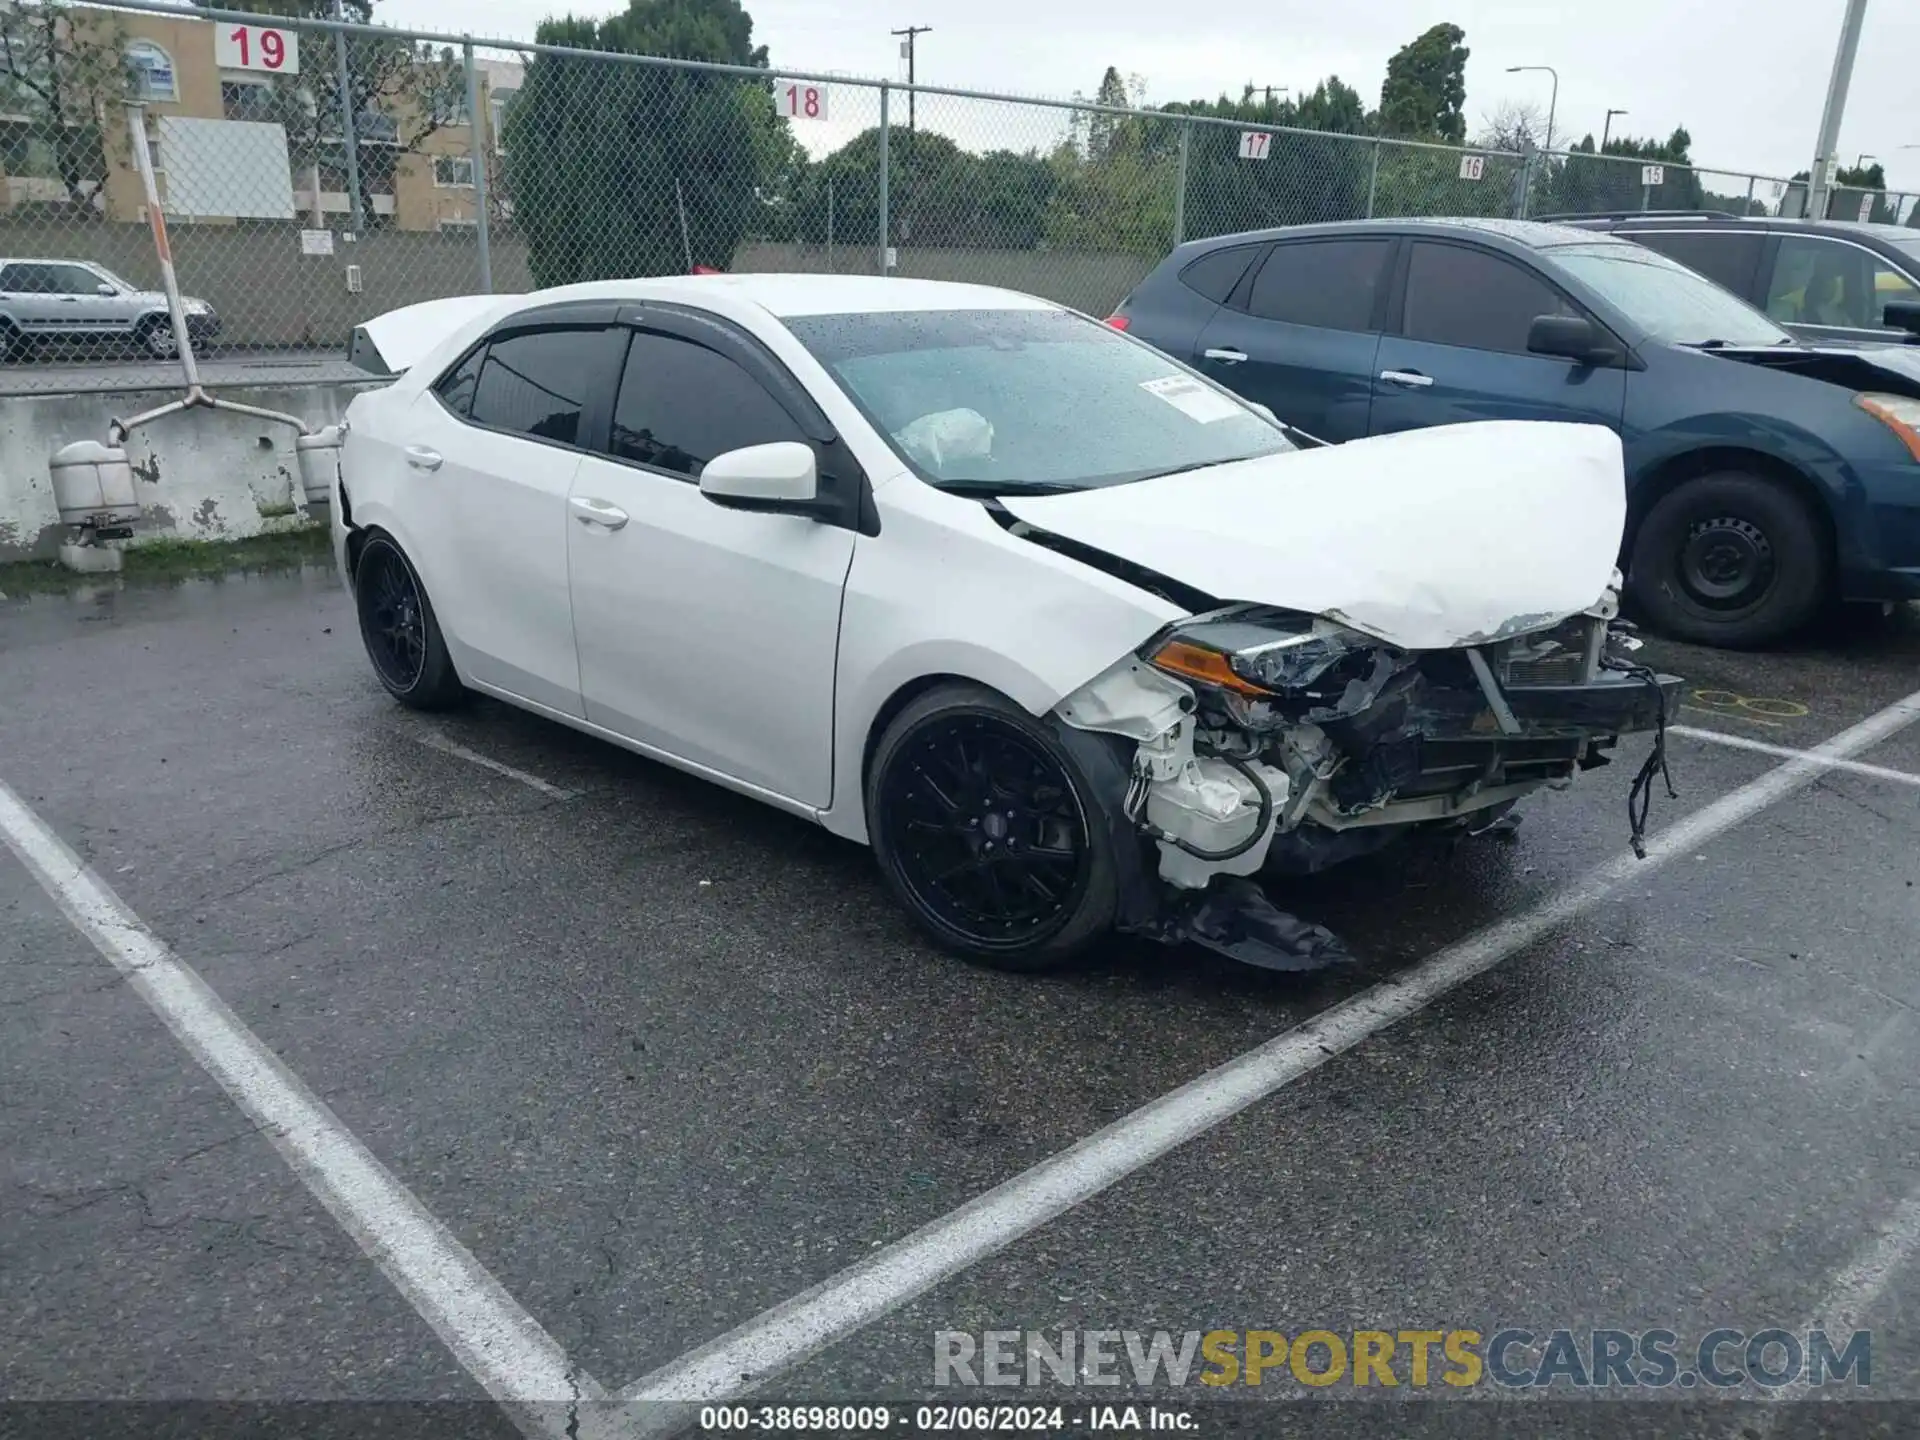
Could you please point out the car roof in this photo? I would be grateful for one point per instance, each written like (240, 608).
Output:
(790, 296)
(1532, 234)
(1901, 235)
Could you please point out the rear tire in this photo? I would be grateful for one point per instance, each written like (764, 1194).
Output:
(398, 627)
(1731, 559)
(989, 833)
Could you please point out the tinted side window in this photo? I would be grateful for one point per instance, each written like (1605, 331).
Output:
(72, 280)
(536, 383)
(1329, 283)
(13, 278)
(1457, 296)
(455, 388)
(1827, 282)
(30, 279)
(1729, 260)
(681, 404)
(1215, 275)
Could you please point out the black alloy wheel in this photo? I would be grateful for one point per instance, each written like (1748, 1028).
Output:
(398, 627)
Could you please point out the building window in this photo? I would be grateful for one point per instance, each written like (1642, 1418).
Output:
(499, 104)
(452, 172)
(246, 100)
(150, 72)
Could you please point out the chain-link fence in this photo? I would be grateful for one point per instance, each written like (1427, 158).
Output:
(313, 174)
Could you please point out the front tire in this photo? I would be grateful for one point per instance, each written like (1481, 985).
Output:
(156, 338)
(398, 627)
(1730, 559)
(988, 831)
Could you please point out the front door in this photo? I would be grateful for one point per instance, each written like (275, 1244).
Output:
(706, 633)
(1461, 349)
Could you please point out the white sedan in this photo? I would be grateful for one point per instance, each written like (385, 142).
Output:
(1076, 640)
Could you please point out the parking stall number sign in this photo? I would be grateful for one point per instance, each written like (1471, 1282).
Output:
(257, 47)
(1866, 208)
(797, 101)
(1255, 144)
(1472, 167)
(1653, 174)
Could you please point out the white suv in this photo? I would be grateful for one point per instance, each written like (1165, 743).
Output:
(78, 300)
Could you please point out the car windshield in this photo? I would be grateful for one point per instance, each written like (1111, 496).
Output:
(1665, 298)
(979, 400)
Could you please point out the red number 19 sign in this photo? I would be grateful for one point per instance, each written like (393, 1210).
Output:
(256, 47)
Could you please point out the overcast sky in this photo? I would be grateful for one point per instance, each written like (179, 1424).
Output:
(1746, 78)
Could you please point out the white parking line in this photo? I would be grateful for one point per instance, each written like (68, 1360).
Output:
(500, 1345)
(434, 740)
(747, 1357)
(1761, 747)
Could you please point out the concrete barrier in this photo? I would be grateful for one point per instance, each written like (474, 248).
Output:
(201, 474)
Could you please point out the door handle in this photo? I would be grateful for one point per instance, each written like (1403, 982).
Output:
(1407, 377)
(589, 511)
(421, 458)
(1225, 357)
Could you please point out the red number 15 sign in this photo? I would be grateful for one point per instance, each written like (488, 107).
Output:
(256, 47)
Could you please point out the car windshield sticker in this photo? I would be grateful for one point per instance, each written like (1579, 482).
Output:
(1192, 399)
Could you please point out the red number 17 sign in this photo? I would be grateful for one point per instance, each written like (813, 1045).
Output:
(1255, 144)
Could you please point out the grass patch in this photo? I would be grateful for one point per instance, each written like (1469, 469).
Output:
(160, 562)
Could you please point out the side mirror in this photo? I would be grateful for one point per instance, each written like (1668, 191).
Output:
(104, 289)
(1903, 315)
(1570, 337)
(776, 479)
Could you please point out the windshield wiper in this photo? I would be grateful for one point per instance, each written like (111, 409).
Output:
(976, 486)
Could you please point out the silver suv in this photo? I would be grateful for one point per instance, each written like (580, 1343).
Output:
(77, 300)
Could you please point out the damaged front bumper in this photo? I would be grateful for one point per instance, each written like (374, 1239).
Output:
(1270, 741)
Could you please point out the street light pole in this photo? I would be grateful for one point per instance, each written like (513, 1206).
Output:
(1820, 177)
(1553, 104)
(1606, 128)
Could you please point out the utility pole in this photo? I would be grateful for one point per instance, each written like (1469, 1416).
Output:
(911, 33)
(1606, 128)
(908, 35)
(1824, 160)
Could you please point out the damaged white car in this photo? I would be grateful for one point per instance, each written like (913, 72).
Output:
(1074, 639)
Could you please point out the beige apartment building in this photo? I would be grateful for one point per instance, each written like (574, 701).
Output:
(233, 145)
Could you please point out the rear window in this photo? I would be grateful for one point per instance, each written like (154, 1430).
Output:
(1331, 284)
(1730, 259)
(1213, 276)
(536, 383)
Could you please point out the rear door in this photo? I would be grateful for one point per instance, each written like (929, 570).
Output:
(33, 295)
(1460, 351)
(490, 453)
(1300, 334)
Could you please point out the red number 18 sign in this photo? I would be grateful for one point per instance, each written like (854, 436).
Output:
(799, 101)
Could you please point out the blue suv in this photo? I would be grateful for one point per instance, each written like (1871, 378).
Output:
(1764, 477)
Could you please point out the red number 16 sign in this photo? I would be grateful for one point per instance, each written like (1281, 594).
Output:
(256, 47)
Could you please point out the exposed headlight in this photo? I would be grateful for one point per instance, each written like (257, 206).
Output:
(1898, 413)
(1261, 654)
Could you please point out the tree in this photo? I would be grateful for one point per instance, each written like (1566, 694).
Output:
(1303, 178)
(1513, 127)
(400, 93)
(962, 200)
(1425, 94)
(62, 76)
(1594, 182)
(622, 169)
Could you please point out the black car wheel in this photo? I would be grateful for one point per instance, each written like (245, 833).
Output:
(157, 339)
(987, 831)
(1729, 559)
(398, 627)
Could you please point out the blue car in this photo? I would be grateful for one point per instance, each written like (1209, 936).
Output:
(1765, 478)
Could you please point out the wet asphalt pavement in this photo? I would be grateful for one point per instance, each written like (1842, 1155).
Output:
(661, 1058)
